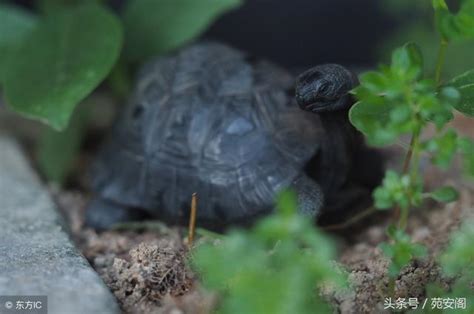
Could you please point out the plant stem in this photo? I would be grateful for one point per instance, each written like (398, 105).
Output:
(397, 213)
(391, 287)
(413, 154)
(440, 60)
(406, 162)
(401, 214)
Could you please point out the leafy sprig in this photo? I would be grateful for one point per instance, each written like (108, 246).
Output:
(273, 268)
(400, 99)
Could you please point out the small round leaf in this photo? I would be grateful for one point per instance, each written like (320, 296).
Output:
(445, 194)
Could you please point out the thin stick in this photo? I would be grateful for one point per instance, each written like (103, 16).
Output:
(350, 221)
(192, 220)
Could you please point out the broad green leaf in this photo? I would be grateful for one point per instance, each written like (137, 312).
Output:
(368, 117)
(57, 150)
(49, 6)
(464, 79)
(465, 85)
(62, 61)
(155, 27)
(15, 24)
(445, 194)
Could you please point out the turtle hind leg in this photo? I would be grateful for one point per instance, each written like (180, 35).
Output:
(310, 195)
(103, 214)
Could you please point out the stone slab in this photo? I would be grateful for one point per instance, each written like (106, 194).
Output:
(37, 256)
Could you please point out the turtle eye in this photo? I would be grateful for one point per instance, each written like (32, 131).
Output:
(323, 88)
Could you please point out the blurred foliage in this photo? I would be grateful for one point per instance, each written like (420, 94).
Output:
(15, 24)
(273, 268)
(57, 150)
(401, 251)
(61, 62)
(53, 59)
(172, 23)
(458, 259)
(416, 24)
(397, 190)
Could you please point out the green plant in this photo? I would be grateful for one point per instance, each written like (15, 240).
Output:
(402, 99)
(276, 267)
(458, 261)
(416, 18)
(52, 59)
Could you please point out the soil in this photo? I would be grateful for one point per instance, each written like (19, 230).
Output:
(145, 264)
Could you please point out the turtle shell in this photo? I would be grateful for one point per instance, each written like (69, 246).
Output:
(207, 121)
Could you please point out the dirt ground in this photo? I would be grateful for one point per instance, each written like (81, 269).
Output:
(145, 264)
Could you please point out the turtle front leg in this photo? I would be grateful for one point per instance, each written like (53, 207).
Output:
(102, 214)
(310, 196)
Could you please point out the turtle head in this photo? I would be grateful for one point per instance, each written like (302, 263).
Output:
(325, 88)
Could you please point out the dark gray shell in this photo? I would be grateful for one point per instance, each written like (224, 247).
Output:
(207, 121)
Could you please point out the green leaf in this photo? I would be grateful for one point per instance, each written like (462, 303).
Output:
(401, 250)
(445, 194)
(465, 85)
(408, 59)
(455, 26)
(155, 27)
(62, 61)
(277, 272)
(57, 150)
(466, 147)
(443, 148)
(287, 202)
(396, 189)
(15, 24)
(49, 6)
(368, 117)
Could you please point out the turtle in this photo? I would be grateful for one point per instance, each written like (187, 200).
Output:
(236, 130)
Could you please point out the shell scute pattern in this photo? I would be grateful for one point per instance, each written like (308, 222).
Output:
(207, 121)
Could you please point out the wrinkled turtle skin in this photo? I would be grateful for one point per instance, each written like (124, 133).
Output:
(207, 120)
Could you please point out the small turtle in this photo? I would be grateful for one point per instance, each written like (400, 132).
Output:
(210, 121)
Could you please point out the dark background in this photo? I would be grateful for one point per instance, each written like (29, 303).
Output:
(301, 33)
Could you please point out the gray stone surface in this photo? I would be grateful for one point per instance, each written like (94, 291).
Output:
(37, 256)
